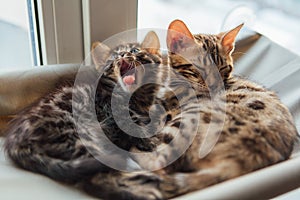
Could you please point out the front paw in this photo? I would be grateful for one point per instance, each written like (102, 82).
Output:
(146, 144)
(141, 185)
(124, 186)
(150, 161)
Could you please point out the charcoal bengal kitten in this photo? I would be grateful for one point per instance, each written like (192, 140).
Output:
(252, 131)
(46, 138)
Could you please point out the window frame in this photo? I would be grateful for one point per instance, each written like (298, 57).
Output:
(68, 38)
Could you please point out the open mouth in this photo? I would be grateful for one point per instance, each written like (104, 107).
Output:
(131, 74)
(128, 72)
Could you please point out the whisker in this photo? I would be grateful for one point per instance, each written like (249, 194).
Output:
(238, 53)
(141, 65)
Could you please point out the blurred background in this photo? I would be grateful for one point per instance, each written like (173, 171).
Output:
(278, 20)
(19, 22)
(14, 34)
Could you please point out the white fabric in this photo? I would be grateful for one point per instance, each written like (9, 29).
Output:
(18, 184)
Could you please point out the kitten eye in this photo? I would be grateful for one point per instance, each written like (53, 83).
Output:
(134, 50)
(114, 55)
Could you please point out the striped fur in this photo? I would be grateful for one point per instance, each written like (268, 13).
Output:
(252, 131)
(47, 137)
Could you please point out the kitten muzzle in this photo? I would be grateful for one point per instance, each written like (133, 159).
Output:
(128, 72)
(131, 73)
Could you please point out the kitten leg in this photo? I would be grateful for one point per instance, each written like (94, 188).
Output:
(181, 183)
(150, 161)
(124, 186)
(176, 137)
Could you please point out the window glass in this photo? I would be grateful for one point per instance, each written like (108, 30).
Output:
(15, 49)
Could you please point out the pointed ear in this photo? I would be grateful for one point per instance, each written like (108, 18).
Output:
(151, 43)
(228, 39)
(179, 36)
(100, 53)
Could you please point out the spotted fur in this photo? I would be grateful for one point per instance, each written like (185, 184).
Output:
(248, 127)
(47, 137)
(254, 130)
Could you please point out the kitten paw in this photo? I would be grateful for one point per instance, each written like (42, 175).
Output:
(142, 186)
(147, 144)
(150, 161)
(124, 186)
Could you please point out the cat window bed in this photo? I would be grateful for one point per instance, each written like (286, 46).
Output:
(256, 57)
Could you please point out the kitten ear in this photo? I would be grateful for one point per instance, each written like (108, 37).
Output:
(151, 43)
(100, 53)
(228, 38)
(179, 36)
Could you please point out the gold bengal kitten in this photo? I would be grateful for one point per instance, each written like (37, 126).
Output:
(252, 131)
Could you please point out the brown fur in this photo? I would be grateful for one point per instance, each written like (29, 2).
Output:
(257, 130)
(46, 137)
(253, 131)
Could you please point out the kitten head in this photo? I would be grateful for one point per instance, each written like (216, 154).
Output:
(127, 64)
(219, 47)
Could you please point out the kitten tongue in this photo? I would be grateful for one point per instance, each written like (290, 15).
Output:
(129, 80)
